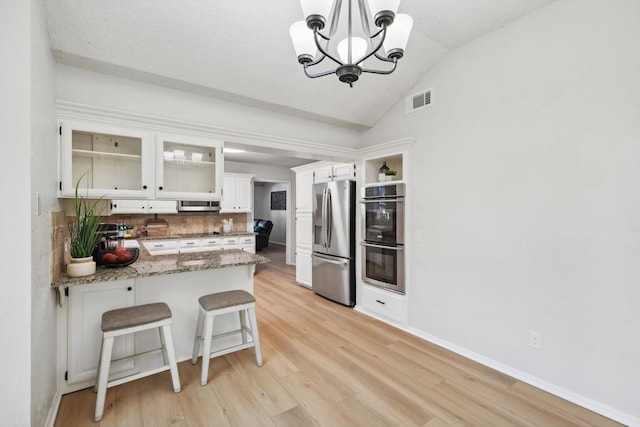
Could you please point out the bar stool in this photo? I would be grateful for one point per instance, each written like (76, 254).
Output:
(129, 320)
(220, 303)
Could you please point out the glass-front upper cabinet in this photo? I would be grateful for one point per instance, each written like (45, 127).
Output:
(112, 161)
(188, 168)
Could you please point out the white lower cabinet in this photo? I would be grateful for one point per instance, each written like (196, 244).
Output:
(86, 305)
(161, 247)
(211, 244)
(190, 245)
(245, 243)
(303, 267)
(384, 303)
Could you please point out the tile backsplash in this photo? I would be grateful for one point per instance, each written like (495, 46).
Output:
(183, 223)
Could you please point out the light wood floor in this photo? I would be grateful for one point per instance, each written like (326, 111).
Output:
(327, 365)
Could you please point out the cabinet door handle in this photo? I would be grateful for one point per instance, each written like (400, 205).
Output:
(160, 188)
(129, 288)
(144, 187)
(381, 302)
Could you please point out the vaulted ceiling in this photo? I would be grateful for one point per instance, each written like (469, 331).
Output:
(240, 50)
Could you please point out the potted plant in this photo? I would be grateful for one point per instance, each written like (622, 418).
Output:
(390, 174)
(84, 236)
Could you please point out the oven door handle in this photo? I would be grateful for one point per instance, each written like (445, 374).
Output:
(371, 245)
(399, 200)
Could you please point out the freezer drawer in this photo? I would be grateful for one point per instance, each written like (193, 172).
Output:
(333, 278)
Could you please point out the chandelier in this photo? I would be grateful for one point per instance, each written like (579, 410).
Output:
(386, 43)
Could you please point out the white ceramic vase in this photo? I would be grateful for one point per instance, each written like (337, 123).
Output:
(81, 267)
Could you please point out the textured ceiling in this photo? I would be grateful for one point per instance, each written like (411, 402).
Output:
(239, 50)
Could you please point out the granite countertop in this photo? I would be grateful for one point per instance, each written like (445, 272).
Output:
(155, 265)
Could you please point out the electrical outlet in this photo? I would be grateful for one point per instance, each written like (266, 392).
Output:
(535, 340)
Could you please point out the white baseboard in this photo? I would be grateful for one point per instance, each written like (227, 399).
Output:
(590, 404)
(53, 410)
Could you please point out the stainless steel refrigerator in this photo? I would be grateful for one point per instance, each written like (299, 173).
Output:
(333, 257)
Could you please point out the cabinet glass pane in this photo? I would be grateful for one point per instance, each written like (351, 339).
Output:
(109, 161)
(189, 168)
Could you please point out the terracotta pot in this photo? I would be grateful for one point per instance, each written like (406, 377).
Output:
(81, 267)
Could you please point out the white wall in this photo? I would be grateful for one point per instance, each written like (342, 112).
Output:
(43, 179)
(524, 183)
(15, 254)
(262, 209)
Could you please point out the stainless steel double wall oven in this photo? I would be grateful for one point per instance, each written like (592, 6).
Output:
(383, 236)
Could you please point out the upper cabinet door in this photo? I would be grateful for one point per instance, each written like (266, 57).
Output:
(112, 161)
(188, 168)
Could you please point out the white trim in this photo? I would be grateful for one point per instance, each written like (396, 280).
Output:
(53, 410)
(560, 392)
(390, 147)
(73, 110)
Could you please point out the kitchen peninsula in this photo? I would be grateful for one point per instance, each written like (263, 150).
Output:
(177, 279)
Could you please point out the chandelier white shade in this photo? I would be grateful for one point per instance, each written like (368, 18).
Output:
(313, 38)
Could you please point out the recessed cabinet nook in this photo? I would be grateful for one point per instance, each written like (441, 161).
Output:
(130, 163)
(377, 301)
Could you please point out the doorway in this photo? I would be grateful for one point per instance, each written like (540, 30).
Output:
(272, 201)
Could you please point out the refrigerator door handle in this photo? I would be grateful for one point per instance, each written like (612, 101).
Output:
(331, 260)
(324, 218)
(329, 217)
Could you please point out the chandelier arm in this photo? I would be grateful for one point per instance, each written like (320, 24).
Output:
(321, 74)
(395, 64)
(323, 51)
(315, 62)
(382, 58)
(374, 51)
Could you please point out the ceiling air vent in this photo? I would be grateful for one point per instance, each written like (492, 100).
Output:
(418, 101)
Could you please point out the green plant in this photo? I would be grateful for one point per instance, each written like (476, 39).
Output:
(84, 227)
(391, 172)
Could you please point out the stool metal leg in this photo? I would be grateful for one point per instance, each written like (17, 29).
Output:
(206, 349)
(167, 339)
(103, 376)
(198, 337)
(254, 334)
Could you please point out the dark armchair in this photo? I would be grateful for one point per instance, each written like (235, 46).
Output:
(262, 228)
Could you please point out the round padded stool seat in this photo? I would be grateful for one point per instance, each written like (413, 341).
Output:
(134, 316)
(225, 299)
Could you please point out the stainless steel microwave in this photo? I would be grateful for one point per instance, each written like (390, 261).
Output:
(198, 206)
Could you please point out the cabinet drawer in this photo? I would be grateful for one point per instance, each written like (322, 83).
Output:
(384, 303)
(161, 247)
(211, 244)
(189, 245)
(230, 242)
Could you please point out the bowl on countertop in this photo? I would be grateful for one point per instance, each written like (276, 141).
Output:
(119, 257)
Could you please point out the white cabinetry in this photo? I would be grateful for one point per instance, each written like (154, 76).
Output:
(125, 206)
(334, 172)
(161, 247)
(128, 163)
(188, 168)
(237, 193)
(384, 303)
(211, 244)
(86, 305)
(245, 243)
(304, 205)
(112, 161)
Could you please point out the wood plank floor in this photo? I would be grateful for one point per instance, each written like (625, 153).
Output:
(327, 365)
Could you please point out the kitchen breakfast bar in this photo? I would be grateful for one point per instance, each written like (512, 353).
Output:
(177, 279)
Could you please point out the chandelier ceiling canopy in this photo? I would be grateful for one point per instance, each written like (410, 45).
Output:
(314, 38)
